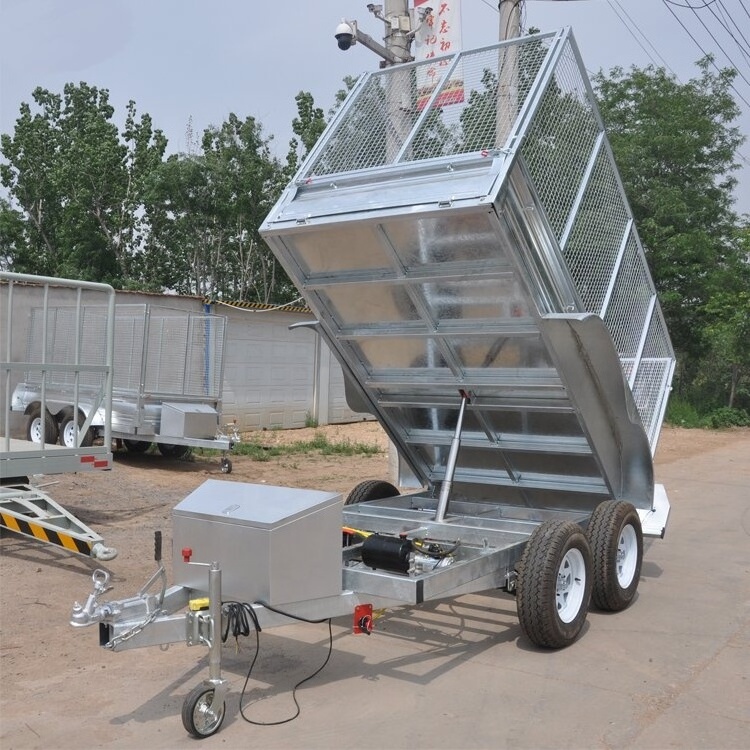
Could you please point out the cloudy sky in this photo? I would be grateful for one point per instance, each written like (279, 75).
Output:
(197, 60)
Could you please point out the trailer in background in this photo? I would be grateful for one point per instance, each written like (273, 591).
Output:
(476, 270)
(167, 381)
(24, 507)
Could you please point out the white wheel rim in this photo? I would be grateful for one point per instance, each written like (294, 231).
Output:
(571, 584)
(35, 430)
(627, 556)
(69, 435)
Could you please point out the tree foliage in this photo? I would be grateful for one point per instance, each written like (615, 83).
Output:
(204, 212)
(89, 202)
(78, 184)
(307, 127)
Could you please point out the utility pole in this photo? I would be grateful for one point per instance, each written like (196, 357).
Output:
(507, 90)
(398, 42)
(510, 19)
(398, 36)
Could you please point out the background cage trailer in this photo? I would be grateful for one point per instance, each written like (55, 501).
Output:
(476, 270)
(167, 382)
(25, 508)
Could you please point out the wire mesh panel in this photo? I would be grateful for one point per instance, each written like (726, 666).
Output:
(157, 350)
(575, 177)
(596, 234)
(389, 123)
(70, 341)
(130, 325)
(481, 243)
(181, 351)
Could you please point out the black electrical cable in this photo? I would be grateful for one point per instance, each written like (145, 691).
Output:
(237, 617)
(240, 624)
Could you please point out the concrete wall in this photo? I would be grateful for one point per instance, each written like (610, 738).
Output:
(273, 377)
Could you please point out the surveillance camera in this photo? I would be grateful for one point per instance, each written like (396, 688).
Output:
(346, 34)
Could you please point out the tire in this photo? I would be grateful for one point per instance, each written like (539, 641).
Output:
(137, 446)
(34, 426)
(199, 717)
(616, 538)
(371, 489)
(172, 451)
(67, 432)
(554, 584)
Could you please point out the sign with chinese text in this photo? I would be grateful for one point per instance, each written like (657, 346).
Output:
(438, 35)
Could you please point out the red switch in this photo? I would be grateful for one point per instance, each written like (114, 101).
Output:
(187, 553)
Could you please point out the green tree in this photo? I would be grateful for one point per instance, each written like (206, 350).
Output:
(78, 184)
(307, 127)
(204, 212)
(12, 243)
(727, 335)
(723, 375)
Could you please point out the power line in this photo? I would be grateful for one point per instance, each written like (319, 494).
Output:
(669, 3)
(640, 31)
(692, 7)
(728, 15)
(718, 44)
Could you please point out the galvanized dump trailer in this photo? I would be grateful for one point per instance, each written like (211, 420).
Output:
(475, 267)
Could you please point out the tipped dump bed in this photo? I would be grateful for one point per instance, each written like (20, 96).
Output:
(485, 247)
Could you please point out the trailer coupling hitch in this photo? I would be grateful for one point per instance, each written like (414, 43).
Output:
(142, 605)
(92, 611)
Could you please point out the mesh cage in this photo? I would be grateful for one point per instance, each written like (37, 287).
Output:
(462, 223)
(471, 107)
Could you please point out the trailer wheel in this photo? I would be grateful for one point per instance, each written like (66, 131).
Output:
(371, 489)
(199, 716)
(34, 426)
(554, 584)
(616, 538)
(137, 446)
(68, 433)
(172, 451)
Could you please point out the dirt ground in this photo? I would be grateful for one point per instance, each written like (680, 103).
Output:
(39, 583)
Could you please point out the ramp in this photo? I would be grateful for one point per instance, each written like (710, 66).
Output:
(30, 512)
(486, 247)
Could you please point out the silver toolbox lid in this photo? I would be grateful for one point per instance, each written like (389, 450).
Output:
(256, 505)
